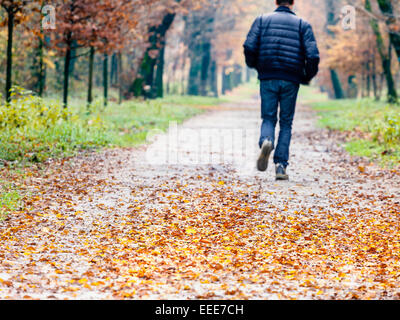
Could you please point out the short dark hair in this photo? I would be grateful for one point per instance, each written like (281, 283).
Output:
(284, 2)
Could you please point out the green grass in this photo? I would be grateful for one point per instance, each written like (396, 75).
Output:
(192, 100)
(9, 200)
(377, 122)
(308, 95)
(375, 151)
(345, 115)
(129, 123)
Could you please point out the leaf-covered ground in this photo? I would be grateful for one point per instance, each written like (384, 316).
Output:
(113, 225)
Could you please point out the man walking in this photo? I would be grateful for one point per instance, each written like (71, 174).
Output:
(283, 49)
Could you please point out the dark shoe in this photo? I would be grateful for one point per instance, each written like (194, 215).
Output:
(266, 149)
(281, 174)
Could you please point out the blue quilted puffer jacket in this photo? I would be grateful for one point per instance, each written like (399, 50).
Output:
(282, 46)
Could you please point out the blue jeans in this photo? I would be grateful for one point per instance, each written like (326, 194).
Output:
(274, 93)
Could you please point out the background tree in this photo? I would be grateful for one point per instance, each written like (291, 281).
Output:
(384, 49)
(149, 81)
(331, 11)
(15, 14)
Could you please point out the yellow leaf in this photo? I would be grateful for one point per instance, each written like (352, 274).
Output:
(49, 63)
(190, 231)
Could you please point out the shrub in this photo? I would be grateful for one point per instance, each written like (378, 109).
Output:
(34, 130)
(29, 111)
(390, 131)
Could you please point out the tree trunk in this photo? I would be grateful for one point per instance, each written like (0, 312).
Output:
(105, 79)
(119, 57)
(42, 69)
(114, 70)
(337, 85)
(98, 70)
(362, 84)
(158, 87)
(172, 81)
(368, 68)
(194, 71)
(385, 57)
(386, 8)
(168, 87)
(205, 67)
(224, 86)
(331, 12)
(9, 55)
(392, 92)
(74, 49)
(144, 85)
(214, 79)
(90, 85)
(248, 75)
(237, 80)
(182, 79)
(382, 80)
(59, 80)
(352, 90)
(374, 81)
(199, 29)
(66, 71)
(227, 83)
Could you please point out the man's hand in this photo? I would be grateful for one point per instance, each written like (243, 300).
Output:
(305, 80)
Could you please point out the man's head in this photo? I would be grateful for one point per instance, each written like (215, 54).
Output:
(287, 3)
